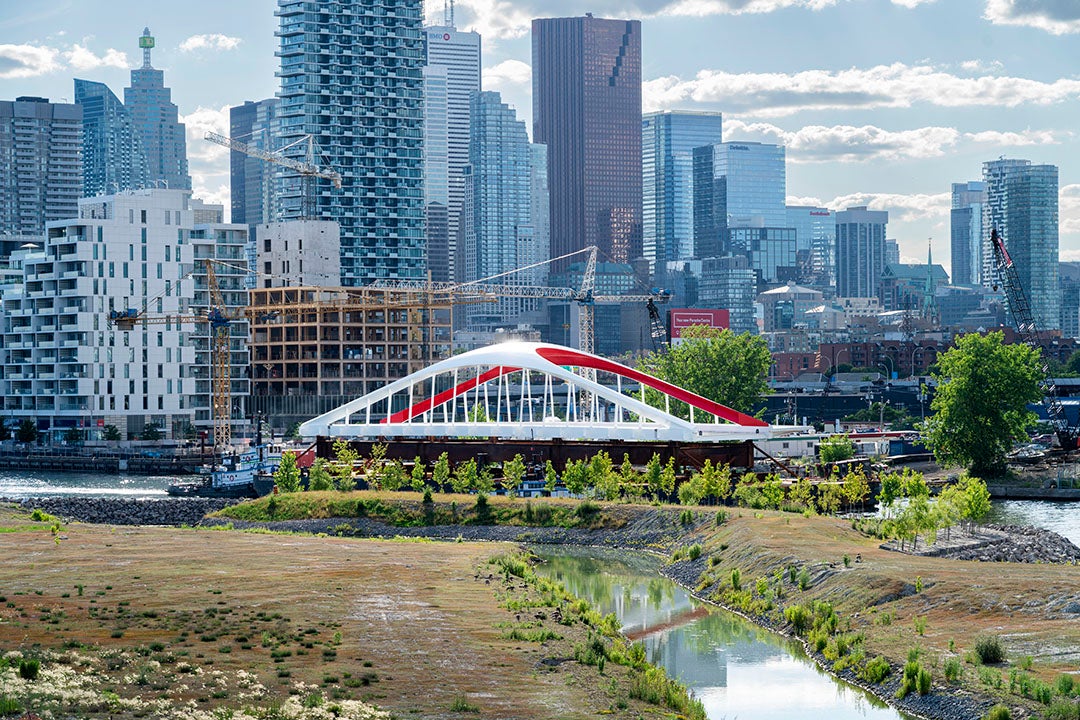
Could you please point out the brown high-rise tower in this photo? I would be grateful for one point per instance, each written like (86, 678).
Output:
(587, 110)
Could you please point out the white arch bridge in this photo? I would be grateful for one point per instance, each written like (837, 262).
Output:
(530, 392)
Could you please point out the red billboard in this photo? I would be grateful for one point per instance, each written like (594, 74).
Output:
(681, 318)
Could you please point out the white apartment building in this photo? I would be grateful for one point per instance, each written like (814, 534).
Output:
(66, 366)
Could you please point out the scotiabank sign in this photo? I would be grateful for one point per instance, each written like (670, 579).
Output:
(682, 318)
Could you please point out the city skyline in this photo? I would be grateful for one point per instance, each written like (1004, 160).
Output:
(890, 125)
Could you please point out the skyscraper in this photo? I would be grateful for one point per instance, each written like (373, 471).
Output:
(860, 251)
(737, 185)
(587, 110)
(437, 175)
(458, 54)
(352, 77)
(966, 232)
(41, 172)
(1022, 203)
(113, 158)
(157, 121)
(815, 231)
(668, 140)
(254, 183)
(498, 234)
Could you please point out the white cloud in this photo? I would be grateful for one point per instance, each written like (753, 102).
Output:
(23, 61)
(508, 72)
(904, 208)
(882, 86)
(497, 19)
(82, 58)
(846, 143)
(213, 41)
(1058, 17)
(209, 162)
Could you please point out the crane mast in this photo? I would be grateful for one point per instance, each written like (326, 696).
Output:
(1028, 331)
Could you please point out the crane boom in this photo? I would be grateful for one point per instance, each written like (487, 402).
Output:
(304, 168)
(1028, 331)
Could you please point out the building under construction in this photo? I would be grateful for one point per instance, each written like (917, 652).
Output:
(315, 348)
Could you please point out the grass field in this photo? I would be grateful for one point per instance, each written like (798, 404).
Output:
(170, 622)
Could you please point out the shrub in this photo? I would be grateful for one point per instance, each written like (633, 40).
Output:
(999, 712)
(9, 706)
(1062, 710)
(1064, 684)
(694, 552)
(953, 669)
(804, 579)
(736, 579)
(989, 650)
(29, 668)
(721, 517)
(460, 704)
(799, 617)
(847, 561)
(923, 681)
(910, 680)
(876, 670)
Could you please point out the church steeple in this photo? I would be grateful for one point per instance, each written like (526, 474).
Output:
(146, 42)
(929, 305)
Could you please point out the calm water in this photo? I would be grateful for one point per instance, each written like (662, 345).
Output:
(735, 668)
(1061, 517)
(25, 484)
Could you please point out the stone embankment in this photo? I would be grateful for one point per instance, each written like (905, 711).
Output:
(127, 511)
(999, 543)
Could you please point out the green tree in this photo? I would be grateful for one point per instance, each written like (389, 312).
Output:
(575, 476)
(513, 474)
(440, 474)
(73, 436)
(393, 475)
(802, 493)
(345, 458)
(629, 480)
(418, 476)
(287, 475)
(892, 487)
(1072, 367)
(653, 472)
(836, 448)
(151, 432)
(319, 477)
(602, 476)
(5, 429)
(485, 481)
(27, 431)
(551, 478)
(374, 466)
(856, 487)
(773, 492)
(464, 477)
(667, 477)
(717, 364)
(974, 498)
(980, 407)
(109, 432)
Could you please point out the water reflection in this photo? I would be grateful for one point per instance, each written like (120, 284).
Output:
(27, 483)
(737, 669)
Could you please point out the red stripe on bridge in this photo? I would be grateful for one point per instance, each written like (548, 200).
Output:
(447, 395)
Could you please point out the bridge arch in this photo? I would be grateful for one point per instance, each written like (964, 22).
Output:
(530, 391)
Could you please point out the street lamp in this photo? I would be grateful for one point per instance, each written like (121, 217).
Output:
(913, 353)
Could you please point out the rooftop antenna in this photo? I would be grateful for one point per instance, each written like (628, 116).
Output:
(448, 13)
(146, 42)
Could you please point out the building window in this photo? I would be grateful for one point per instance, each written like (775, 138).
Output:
(142, 214)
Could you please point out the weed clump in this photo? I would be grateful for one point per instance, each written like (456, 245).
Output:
(989, 650)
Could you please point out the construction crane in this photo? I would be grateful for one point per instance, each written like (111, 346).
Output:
(308, 169)
(1027, 329)
(584, 296)
(322, 300)
(220, 323)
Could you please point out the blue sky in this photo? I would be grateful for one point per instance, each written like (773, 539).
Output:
(880, 102)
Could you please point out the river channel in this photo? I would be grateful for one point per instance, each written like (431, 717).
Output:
(736, 669)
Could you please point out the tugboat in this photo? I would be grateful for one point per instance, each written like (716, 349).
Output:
(248, 474)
